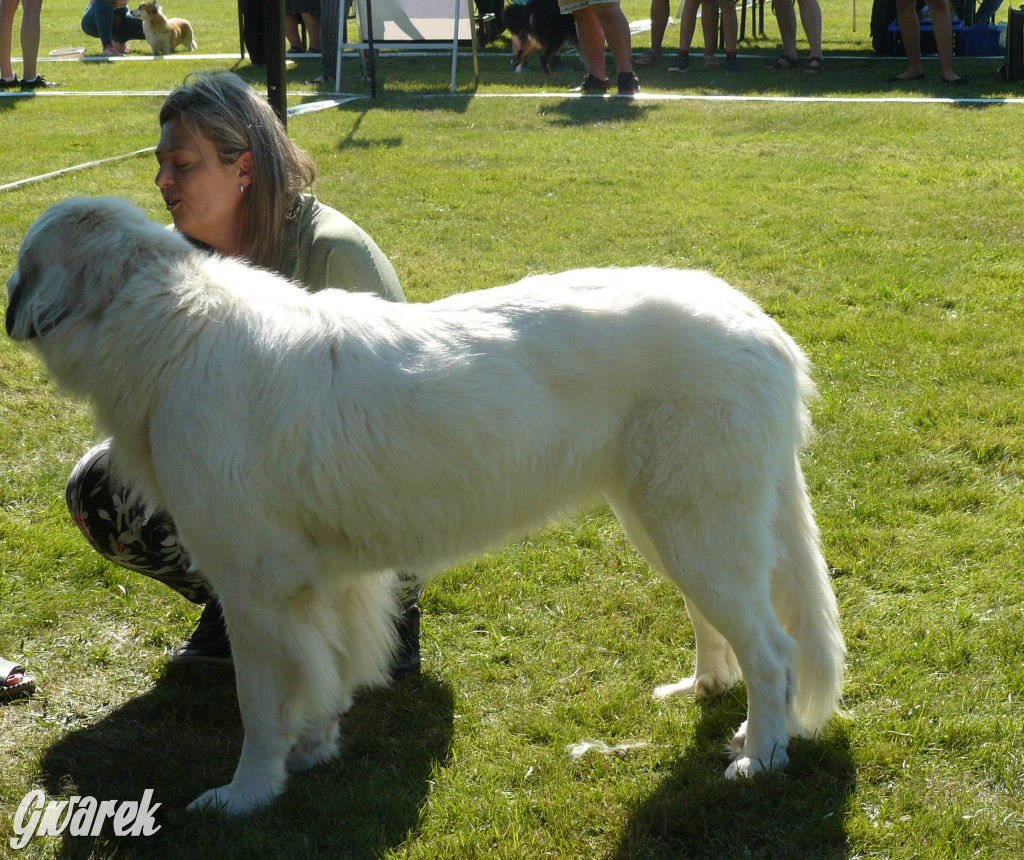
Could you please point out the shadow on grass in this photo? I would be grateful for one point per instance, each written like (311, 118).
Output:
(696, 813)
(574, 112)
(185, 736)
(418, 83)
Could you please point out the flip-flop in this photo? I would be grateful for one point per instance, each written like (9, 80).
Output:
(12, 687)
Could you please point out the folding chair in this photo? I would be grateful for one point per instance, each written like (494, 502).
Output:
(429, 25)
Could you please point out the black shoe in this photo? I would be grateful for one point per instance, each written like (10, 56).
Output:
(209, 641)
(10, 85)
(591, 86)
(680, 63)
(38, 83)
(407, 658)
(628, 84)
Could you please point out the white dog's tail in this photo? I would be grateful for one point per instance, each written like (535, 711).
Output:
(806, 607)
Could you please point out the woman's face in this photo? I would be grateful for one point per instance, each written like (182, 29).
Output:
(203, 195)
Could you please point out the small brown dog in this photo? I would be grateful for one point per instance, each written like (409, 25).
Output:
(164, 34)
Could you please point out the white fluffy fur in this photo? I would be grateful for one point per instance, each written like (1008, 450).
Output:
(307, 444)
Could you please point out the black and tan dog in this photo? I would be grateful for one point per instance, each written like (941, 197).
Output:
(539, 26)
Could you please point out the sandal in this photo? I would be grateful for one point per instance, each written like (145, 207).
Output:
(783, 63)
(648, 58)
(815, 66)
(16, 683)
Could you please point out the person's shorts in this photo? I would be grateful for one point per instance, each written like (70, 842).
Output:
(568, 6)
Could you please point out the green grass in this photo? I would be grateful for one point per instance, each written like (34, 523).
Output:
(885, 237)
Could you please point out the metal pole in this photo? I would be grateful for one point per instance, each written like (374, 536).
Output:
(371, 58)
(277, 81)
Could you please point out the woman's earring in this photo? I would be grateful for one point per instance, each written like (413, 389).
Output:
(241, 188)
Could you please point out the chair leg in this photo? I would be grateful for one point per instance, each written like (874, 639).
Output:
(241, 33)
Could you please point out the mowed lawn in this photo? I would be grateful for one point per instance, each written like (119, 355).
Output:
(884, 235)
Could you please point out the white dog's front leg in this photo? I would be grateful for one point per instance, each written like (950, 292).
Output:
(259, 778)
(260, 775)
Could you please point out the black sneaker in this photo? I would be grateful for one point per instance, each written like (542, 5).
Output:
(38, 83)
(732, 64)
(628, 83)
(209, 641)
(407, 659)
(680, 63)
(10, 85)
(591, 86)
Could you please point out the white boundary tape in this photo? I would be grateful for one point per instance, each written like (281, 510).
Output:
(73, 168)
(298, 110)
(338, 99)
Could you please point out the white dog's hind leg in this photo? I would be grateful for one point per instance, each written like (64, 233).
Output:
(720, 554)
(314, 747)
(716, 667)
(347, 633)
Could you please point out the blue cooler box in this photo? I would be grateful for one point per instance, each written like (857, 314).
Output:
(982, 41)
(927, 39)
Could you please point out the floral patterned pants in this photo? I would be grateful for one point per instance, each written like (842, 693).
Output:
(121, 527)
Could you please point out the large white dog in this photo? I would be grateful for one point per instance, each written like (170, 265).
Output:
(306, 445)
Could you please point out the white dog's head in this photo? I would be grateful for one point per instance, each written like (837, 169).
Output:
(74, 258)
(147, 11)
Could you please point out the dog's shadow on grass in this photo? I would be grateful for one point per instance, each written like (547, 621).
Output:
(185, 736)
(796, 813)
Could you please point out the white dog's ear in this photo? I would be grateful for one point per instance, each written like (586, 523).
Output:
(21, 326)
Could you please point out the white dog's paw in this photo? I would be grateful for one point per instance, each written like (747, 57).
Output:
(749, 765)
(741, 767)
(684, 687)
(230, 802)
(699, 686)
(307, 754)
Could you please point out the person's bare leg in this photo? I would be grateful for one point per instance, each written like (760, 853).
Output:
(730, 26)
(687, 25)
(31, 14)
(312, 30)
(659, 22)
(942, 27)
(709, 27)
(910, 31)
(785, 17)
(7, 10)
(591, 36)
(810, 20)
(616, 30)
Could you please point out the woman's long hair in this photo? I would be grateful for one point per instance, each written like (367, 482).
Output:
(223, 108)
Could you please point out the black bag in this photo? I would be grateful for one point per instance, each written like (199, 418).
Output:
(883, 13)
(1013, 70)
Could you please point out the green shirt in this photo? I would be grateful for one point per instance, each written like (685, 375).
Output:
(325, 249)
